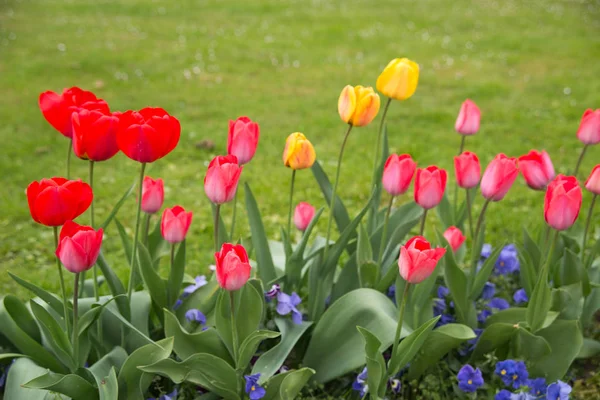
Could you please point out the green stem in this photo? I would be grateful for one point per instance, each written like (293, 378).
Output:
(289, 221)
(234, 333)
(469, 213)
(233, 216)
(333, 194)
(588, 220)
(471, 278)
(95, 268)
(480, 219)
(384, 232)
(146, 229)
(546, 266)
(62, 284)
(75, 336)
(580, 159)
(217, 212)
(172, 301)
(133, 270)
(69, 151)
(400, 319)
(460, 150)
(379, 135)
(462, 144)
(423, 218)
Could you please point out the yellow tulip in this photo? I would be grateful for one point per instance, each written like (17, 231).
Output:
(358, 105)
(299, 152)
(399, 79)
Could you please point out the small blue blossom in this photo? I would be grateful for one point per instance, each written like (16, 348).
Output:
(498, 303)
(522, 396)
(508, 261)
(395, 386)
(471, 343)
(503, 395)
(253, 389)
(558, 391)
(177, 304)
(488, 291)
(391, 293)
(273, 292)
(5, 374)
(199, 282)
(537, 386)
(469, 379)
(360, 383)
(512, 373)
(287, 304)
(520, 296)
(439, 306)
(445, 320)
(195, 315)
(442, 292)
(169, 396)
(483, 315)
(486, 251)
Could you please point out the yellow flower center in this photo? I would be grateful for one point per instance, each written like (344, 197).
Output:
(253, 388)
(470, 382)
(503, 372)
(502, 263)
(515, 377)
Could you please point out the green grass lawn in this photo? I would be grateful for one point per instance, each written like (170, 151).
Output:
(532, 66)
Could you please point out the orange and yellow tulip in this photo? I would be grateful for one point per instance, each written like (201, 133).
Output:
(358, 105)
(299, 152)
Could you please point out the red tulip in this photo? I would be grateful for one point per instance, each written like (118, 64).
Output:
(153, 195)
(562, 202)
(78, 247)
(221, 180)
(147, 135)
(468, 119)
(537, 169)
(418, 260)
(243, 139)
(593, 182)
(455, 237)
(398, 172)
(430, 185)
(498, 177)
(589, 128)
(233, 267)
(94, 135)
(303, 214)
(52, 202)
(175, 224)
(467, 170)
(58, 108)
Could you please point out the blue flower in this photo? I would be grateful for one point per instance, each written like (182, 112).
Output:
(512, 373)
(169, 396)
(445, 319)
(391, 293)
(503, 395)
(488, 291)
(177, 304)
(558, 391)
(537, 386)
(439, 306)
(287, 304)
(360, 383)
(200, 281)
(471, 343)
(508, 261)
(469, 379)
(522, 396)
(442, 292)
(520, 296)
(499, 303)
(253, 389)
(273, 292)
(195, 315)
(395, 385)
(483, 315)
(486, 251)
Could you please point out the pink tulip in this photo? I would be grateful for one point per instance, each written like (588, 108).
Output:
(430, 185)
(562, 202)
(593, 182)
(175, 224)
(455, 237)
(537, 169)
(243, 139)
(498, 177)
(398, 173)
(303, 214)
(589, 128)
(79, 246)
(418, 260)
(221, 180)
(153, 195)
(467, 170)
(468, 119)
(233, 267)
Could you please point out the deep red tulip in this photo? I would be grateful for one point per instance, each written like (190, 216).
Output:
(78, 247)
(498, 177)
(147, 135)
(94, 135)
(418, 260)
(303, 214)
(221, 180)
(562, 202)
(455, 237)
(593, 182)
(243, 139)
(467, 170)
(537, 169)
(233, 267)
(430, 185)
(58, 108)
(589, 128)
(52, 202)
(175, 224)
(153, 195)
(398, 172)
(468, 119)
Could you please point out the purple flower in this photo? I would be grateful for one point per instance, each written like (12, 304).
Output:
(287, 304)
(445, 319)
(489, 289)
(558, 391)
(522, 396)
(483, 315)
(471, 343)
(469, 379)
(512, 373)
(537, 386)
(508, 261)
(503, 395)
(195, 315)
(498, 303)
(169, 396)
(439, 306)
(395, 385)
(442, 292)
(360, 383)
(253, 389)
(391, 293)
(177, 304)
(272, 293)
(200, 281)
(520, 296)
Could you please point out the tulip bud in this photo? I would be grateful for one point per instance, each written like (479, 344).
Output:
(593, 182)
(418, 260)
(299, 153)
(467, 170)
(430, 185)
(399, 79)
(562, 202)
(398, 172)
(455, 237)
(52, 202)
(537, 169)
(78, 246)
(303, 214)
(221, 180)
(94, 135)
(358, 105)
(175, 224)
(233, 267)
(153, 195)
(243, 139)
(468, 119)
(589, 128)
(498, 177)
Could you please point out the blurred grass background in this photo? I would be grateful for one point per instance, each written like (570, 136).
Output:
(531, 66)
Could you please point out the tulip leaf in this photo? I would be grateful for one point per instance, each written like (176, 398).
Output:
(20, 372)
(493, 337)
(445, 211)
(108, 386)
(129, 325)
(364, 252)
(477, 246)
(117, 207)
(409, 346)
(590, 305)
(368, 274)
(223, 236)
(71, 385)
(50, 298)
(176, 275)
(376, 370)
(373, 220)
(55, 334)
(571, 268)
(115, 286)
(340, 213)
(484, 273)
(529, 346)
(590, 348)
(293, 265)
(113, 359)
(155, 284)
(204, 299)
(532, 249)
(456, 280)
(540, 302)
(527, 269)
(407, 215)
(288, 385)
(517, 315)
(266, 268)
(250, 344)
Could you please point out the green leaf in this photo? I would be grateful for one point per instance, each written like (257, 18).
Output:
(493, 337)
(437, 345)
(348, 280)
(21, 371)
(288, 385)
(517, 315)
(532, 249)
(266, 268)
(590, 348)
(477, 246)
(250, 344)
(129, 325)
(484, 273)
(336, 346)
(270, 361)
(403, 228)
(56, 337)
(364, 252)
(340, 214)
(117, 207)
(539, 303)
(72, 385)
(568, 300)
(157, 245)
(293, 266)
(528, 271)
(108, 387)
(530, 346)
(125, 241)
(456, 280)
(154, 283)
(565, 340)
(115, 286)
(176, 275)
(223, 236)
(571, 268)
(114, 359)
(50, 298)
(90, 316)
(409, 347)
(376, 370)
(590, 305)
(446, 212)
(369, 274)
